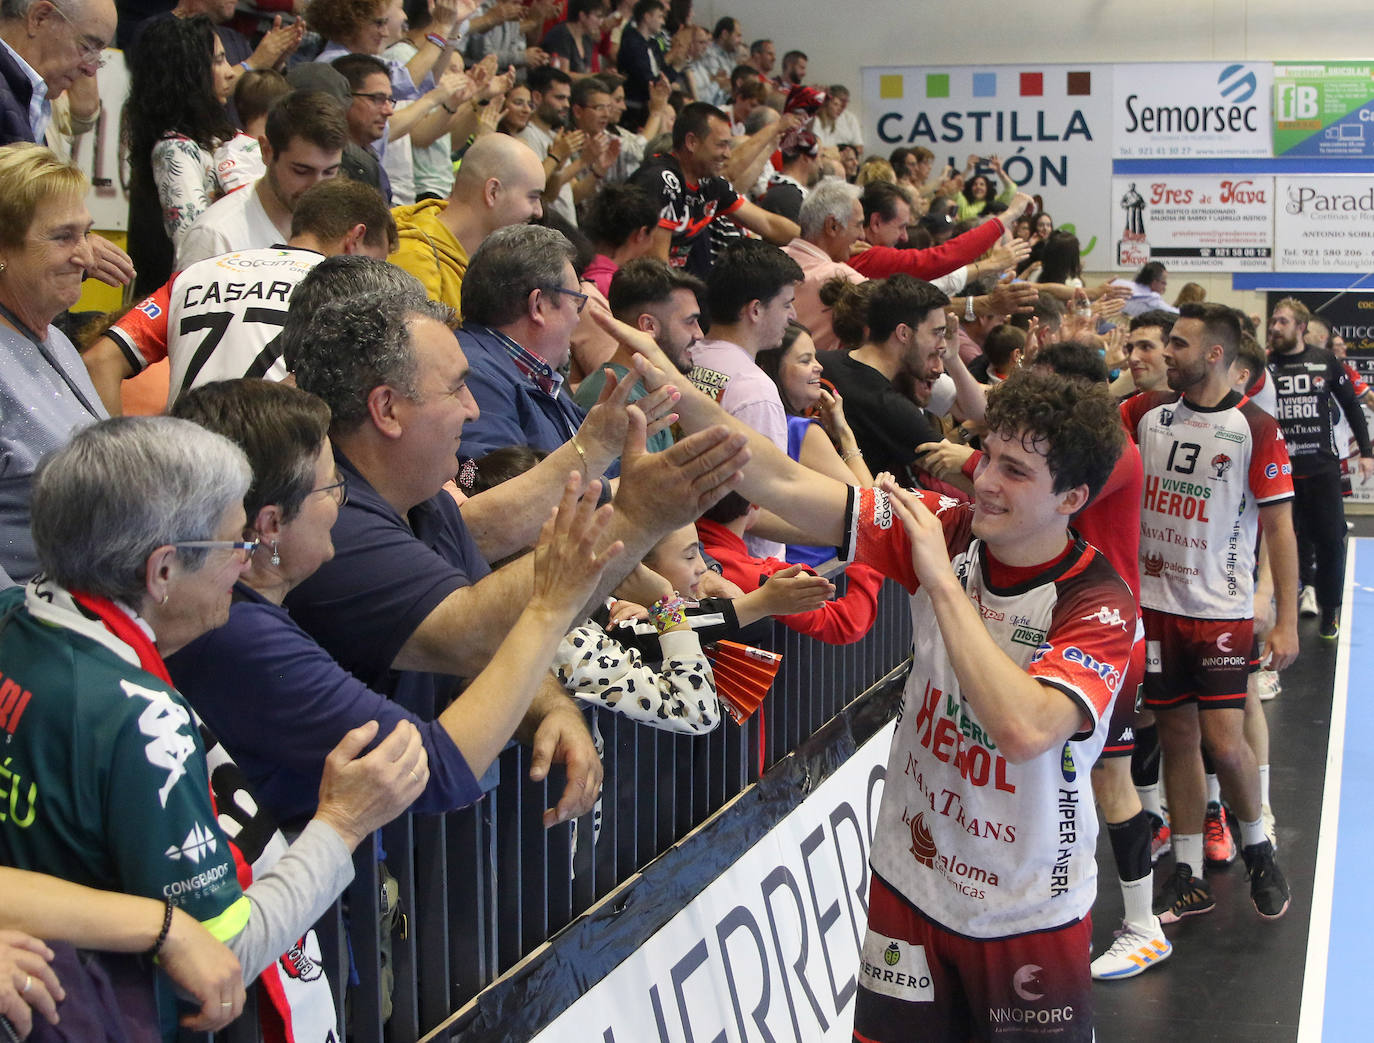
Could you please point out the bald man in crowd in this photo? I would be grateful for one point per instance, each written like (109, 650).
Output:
(499, 183)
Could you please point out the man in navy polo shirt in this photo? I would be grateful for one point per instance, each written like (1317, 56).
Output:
(521, 302)
(408, 604)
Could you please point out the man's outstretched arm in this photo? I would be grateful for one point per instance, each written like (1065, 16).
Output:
(808, 499)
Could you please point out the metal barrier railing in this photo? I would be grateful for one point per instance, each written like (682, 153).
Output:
(483, 887)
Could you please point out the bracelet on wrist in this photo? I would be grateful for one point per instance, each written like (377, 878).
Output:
(581, 455)
(666, 613)
(850, 454)
(451, 112)
(437, 40)
(162, 934)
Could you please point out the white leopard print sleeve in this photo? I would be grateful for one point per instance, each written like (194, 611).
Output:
(680, 696)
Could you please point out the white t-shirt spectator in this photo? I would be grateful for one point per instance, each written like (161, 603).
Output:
(845, 132)
(236, 222)
(541, 141)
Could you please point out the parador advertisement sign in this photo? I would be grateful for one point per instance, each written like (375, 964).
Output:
(1324, 224)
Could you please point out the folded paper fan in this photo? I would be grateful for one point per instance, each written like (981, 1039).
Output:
(743, 676)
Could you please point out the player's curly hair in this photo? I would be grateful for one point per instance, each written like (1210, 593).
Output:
(1075, 424)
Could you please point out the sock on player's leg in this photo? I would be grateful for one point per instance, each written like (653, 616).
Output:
(1131, 848)
(1189, 849)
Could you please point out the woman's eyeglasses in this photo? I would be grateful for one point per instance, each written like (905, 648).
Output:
(338, 490)
(247, 547)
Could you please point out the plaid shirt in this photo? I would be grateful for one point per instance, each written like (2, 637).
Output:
(536, 370)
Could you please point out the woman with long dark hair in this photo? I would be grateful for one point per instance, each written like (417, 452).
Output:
(1060, 261)
(183, 150)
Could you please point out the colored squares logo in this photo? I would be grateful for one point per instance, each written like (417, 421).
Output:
(939, 85)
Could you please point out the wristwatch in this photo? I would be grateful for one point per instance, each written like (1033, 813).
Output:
(969, 316)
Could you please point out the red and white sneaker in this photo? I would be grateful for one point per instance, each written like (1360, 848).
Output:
(1218, 846)
(1162, 839)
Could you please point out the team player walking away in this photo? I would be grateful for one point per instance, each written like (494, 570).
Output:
(1307, 380)
(983, 857)
(1215, 467)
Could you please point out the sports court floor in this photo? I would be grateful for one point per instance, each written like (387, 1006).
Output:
(1232, 976)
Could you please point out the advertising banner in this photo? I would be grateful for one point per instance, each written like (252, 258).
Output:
(770, 949)
(1324, 109)
(1324, 224)
(1049, 124)
(1213, 223)
(1191, 110)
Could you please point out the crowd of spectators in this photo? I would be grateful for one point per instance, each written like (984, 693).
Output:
(550, 282)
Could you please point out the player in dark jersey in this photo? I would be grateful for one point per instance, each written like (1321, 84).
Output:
(1306, 380)
(692, 192)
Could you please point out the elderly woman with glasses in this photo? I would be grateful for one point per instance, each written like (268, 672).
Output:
(45, 391)
(139, 528)
(262, 677)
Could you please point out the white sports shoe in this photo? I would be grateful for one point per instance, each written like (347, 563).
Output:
(1267, 684)
(1269, 829)
(1307, 602)
(1134, 952)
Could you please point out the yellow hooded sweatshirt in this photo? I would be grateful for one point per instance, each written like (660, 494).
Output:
(429, 251)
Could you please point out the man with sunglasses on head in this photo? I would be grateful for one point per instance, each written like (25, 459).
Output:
(521, 302)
